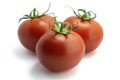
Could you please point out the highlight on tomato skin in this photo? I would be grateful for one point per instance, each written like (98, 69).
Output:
(90, 30)
(33, 28)
(60, 50)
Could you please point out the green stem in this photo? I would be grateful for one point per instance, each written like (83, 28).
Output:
(86, 15)
(62, 27)
(47, 9)
(35, 14)
(91, 12)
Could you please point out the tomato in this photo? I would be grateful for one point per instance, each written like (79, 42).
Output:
(31, 30)
(60, 51)
(90, 30)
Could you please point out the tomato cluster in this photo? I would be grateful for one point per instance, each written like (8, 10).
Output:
(60, 46)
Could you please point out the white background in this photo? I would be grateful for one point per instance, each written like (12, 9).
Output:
(17, 63)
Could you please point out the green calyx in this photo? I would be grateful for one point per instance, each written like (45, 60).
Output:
(62, 27)
(86, 15)
(34, 14)
(82, 13)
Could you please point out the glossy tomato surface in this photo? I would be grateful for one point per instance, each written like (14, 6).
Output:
(58, 52)
(31, 30)
(89, 30)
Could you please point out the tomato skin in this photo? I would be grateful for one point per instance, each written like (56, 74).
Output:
(58, 52)
(31, 30)
(90, 31)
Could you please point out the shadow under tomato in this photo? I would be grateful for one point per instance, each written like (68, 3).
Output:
(42, 73)
(23, 53)
(90, 54)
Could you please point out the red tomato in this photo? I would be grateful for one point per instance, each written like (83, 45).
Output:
(60, 52)
(31, 30)
(90, 30)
